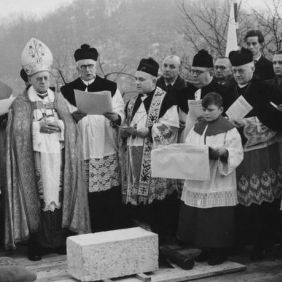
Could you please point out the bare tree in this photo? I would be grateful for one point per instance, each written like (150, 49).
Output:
(205, 24)
(269, 21)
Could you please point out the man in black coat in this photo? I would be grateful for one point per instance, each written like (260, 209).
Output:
(254, 41)
(202, 82)
(257, 176)
(171, 82)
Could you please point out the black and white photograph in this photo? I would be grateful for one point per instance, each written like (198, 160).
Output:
(140, 140)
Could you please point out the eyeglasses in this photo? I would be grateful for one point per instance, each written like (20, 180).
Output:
(84, 67)
(197, 72)
(220, 67)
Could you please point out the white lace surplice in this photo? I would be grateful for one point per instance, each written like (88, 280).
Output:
(99, 148)
(48, 151)
(221, 189)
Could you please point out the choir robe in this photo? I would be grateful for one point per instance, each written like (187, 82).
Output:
(259, 176)
(100, 154)
(150, 200)
(207, 211)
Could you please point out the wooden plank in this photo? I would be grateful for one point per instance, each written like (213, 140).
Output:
(53, 268)
(143, 277)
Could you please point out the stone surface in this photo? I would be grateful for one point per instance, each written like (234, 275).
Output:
(112, 254)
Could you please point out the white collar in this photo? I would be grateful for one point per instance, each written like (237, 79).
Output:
(256, 59)
(242, 85)
(88, 82)
(33, 95)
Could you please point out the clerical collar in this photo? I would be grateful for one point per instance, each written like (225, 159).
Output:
(242, 85)
(148, 94)
(88, 82)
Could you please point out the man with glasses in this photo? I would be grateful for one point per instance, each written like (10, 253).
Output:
(45, 192)
(201, 83)
(223, 71)
(99, 137)
(259, 175)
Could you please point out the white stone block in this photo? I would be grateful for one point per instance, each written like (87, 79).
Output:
(111, 254)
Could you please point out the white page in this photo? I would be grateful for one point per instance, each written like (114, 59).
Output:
(195, 108)
(94, 103)
(239, 109)
(5, 91)
(5, 104)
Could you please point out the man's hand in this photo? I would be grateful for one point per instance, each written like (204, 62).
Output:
(213, 154)
(78, 115)
(126, 131)
(49, 127)
(142, 132)
(238, 122)
(111, 116)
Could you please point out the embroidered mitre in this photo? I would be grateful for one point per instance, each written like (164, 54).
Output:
(36, 56)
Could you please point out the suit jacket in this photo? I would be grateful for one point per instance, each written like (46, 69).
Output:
(264, 69)
(174, 91)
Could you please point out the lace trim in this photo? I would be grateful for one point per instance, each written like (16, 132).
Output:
(159, 189)
(260, 188)
(102, 174)
(210, 200)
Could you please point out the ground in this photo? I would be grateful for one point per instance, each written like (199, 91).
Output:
(53, 267)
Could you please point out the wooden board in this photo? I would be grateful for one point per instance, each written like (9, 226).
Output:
(54, 268)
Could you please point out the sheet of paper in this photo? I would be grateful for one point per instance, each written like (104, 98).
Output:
(94, 103)
(195, 108)
(5, 104)
(171, 162)
(239, 109)
(5, 91)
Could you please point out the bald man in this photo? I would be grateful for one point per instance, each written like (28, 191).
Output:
(170, 80)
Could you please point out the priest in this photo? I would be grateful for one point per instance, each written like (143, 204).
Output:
(99, 142)
(259, 175)
(151, 121)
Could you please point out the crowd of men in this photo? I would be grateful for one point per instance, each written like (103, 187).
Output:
(67, 172)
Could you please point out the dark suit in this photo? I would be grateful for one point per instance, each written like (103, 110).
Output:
(173, 90)
(264, 69)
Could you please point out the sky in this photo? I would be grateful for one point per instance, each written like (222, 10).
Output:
(11, 8)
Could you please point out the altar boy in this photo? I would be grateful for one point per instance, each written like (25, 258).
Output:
(207, 210)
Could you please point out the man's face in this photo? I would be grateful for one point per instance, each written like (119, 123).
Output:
(145, 83)
(200, 76)
(170, 68)
(40, 81)
(87, 69)
(222, 68)
(253, 45)
(212, 112)
(243, 74)
(277, 64)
